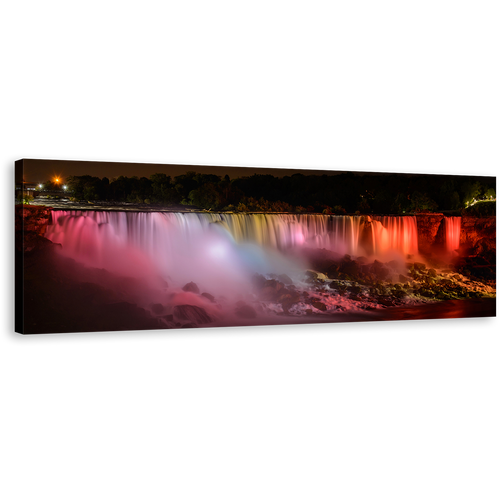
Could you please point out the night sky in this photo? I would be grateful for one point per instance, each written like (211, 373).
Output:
(39, 171)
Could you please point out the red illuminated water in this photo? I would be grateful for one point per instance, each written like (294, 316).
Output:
(452, 227)
(220, 248)
(220, 252)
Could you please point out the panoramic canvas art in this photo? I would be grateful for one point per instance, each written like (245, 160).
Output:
(106, 246)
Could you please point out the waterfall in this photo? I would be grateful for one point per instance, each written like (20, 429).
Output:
(452, 226)
(397, 234)
(219, 246)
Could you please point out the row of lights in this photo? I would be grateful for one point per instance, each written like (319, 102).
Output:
(261, 166)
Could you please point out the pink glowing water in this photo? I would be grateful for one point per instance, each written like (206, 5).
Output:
(187, 245)
(157, 253)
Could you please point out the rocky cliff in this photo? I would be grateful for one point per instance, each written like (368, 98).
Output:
(31, 223)
(476, 233)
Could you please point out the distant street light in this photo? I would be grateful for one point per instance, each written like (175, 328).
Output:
(65, 187)
(40, 186)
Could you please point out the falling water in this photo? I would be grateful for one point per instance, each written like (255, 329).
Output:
(152, 255)
(187, 245)
(452, 226)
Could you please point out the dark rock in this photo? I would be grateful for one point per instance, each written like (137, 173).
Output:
(318, 304)
(288, 298)
(385, 301)
(245, 311)
(208, 296)
(350, 267)
(157, 308)
(192, 313)
(268, 294)
(354, 289)
(191, 287)
(356, 297)
(399, 293)
(379, 270)
(333, 271)
(270, 290)
(419, 266)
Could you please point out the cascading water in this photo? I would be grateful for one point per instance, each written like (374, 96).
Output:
(452, 226)
(157, 253)
(169, 240)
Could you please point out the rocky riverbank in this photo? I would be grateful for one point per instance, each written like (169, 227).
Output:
(61, 295)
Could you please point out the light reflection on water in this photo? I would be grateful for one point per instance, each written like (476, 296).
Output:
(471, 308)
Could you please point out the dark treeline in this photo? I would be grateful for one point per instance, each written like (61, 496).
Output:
(339, 194)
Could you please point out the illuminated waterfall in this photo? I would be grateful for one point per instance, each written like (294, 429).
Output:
(452, 226)
(220, 246)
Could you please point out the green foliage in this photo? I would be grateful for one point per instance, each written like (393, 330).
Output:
(420, 202)
(342, 193)
(481, 208)
(472, 191)
(363, 206)
(24, 197)
(401, 204)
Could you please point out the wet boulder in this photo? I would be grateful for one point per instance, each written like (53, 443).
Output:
(191, 313)
(419, 266)
(287, 298)
(350, 267)
(269, 292)
(208, 296)
(191, 287)
(316, 303)
(379, 270)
